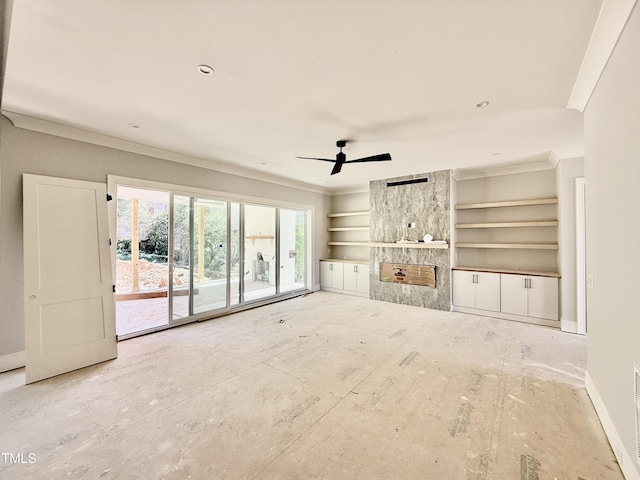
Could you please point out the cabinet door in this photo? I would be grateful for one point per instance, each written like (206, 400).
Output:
(488, 291)
(464, 289)
(513, 294)
(325, 274)
(337, 280)
(363, 278)
(543, 297)
(350, 276)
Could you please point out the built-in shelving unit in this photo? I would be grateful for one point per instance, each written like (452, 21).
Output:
(524, 223)
(357, 228)
(350, 274)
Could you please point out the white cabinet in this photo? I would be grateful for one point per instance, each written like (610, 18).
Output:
(331, 275)
(344, 277)
(479, 290)
(531, 296)
(356, 277)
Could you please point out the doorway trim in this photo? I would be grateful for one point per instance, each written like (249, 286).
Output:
(581, 266)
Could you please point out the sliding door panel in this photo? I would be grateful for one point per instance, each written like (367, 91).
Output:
(209, 255)
(292, 251)
(259, 252)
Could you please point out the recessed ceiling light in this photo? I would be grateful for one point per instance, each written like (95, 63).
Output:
(482, 104)
(263, 163)
(205, 69)
(496, 154)
(134, 125)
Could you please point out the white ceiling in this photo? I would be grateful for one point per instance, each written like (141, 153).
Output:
(292, 77)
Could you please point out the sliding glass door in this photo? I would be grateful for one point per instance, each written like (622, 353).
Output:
(200, 249)
(142, 268)
(259, 252)
(292, 241)
(182, 257)
(209, 255)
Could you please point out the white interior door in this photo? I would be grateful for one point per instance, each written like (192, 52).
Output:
(68, 291)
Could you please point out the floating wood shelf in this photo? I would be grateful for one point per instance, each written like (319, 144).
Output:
(410, 245)
(511, 203)
(346, 229)
(526, 246)
(347, 214)
(540, 223)
(353, 244)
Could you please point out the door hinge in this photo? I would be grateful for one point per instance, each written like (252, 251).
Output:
(109, 197)
(109, 242)
(114, 288)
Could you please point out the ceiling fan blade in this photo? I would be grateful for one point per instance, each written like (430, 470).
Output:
(375, 158)
(337, 167)
(315, 158)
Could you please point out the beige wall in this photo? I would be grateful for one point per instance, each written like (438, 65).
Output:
(612, 167)
(23, 151)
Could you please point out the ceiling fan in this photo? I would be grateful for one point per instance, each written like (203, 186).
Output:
(341, 158)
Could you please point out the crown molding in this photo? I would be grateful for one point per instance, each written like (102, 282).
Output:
(611, 21)
(51, 128)
(533, 164)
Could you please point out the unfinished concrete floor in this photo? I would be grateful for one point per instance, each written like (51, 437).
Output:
(321, 387)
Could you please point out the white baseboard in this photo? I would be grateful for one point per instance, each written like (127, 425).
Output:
(628, 465)
(569, 326)
(12, 361)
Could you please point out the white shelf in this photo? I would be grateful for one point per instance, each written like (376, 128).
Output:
(347, 214)
(410, 245)
(346, 229)
(511, 203)
(539, 223)
(352, 244)
(526, 246)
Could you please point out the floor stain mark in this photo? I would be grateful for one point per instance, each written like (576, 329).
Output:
(490, 336)
(344, 373)
(529, 467)
(299, 410)
(384, 388)
(399, 333)
(461, 422)
(527, 381)
(525, 351)
(277, 345)
(193, 426)
(475, 383)
(409, 359)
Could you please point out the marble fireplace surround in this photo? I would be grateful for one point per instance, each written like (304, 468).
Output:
(392, 209)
